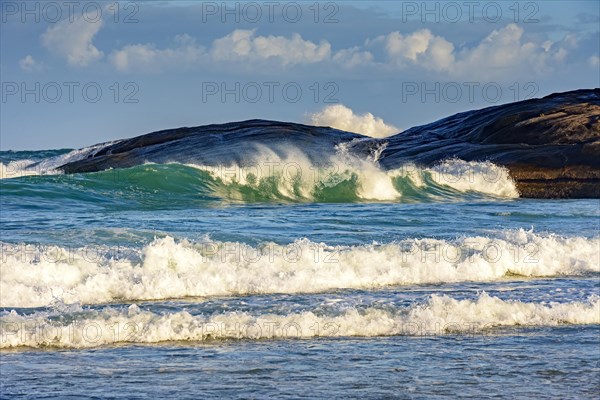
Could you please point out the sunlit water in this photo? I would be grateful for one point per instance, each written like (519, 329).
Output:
(170, 283)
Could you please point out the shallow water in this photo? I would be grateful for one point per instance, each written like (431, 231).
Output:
(178, 282)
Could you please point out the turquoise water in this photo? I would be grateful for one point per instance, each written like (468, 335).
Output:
(171, 281)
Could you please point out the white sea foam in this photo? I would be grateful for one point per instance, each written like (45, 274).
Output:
(17, 169)
(36, 276)
(341, 117)
(472, 176)
(289, 174)
(440, 315)
(295, 177)
(47, 166)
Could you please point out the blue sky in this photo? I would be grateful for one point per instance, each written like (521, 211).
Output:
(104, 70)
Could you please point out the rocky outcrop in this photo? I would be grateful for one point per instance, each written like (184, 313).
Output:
(551, 146)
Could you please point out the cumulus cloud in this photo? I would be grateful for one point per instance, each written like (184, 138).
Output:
(353, 57)
(73, 40)
(341, 117)
(148, 57)
(502, 49)
(421, 47)
(29, 64)
(500, 53)
(239, 45)
(244, 45)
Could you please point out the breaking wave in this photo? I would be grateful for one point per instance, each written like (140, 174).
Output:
(34, 275)
(289, 177)
(80, 328)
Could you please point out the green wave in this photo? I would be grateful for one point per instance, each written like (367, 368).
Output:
(177, 185)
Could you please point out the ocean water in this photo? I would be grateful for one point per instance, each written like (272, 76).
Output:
(319, 281)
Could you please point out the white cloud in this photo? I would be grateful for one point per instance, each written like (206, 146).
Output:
(244, 45)
(29, 64)
(148, 57)
(239, 45)
(341, 117)
(594, 61)
(420, 48)
(499, 54)
(73, 40)
(353, 57)
(500, 50)
(504, 52)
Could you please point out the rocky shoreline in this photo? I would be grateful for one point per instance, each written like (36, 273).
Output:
(551, 145)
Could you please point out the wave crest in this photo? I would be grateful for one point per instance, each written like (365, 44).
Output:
(440, 315)
(346, 177)
(288, 176)
(34, 276)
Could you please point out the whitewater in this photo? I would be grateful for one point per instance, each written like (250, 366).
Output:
(36, 276)
(283, 255)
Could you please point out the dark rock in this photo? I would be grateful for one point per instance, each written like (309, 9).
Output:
(551, 146)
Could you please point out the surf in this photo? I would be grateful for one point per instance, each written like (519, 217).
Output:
(268, 176)
(76, 327)
(36, 275)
